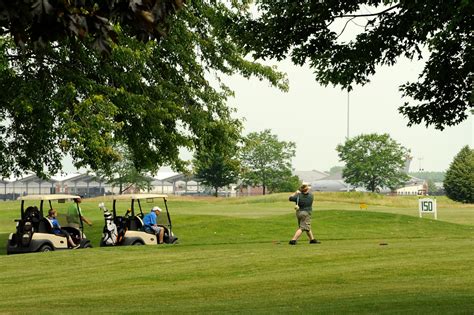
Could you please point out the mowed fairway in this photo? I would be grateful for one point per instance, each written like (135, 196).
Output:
(233, 257)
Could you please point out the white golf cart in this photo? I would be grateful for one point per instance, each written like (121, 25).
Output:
(34, 231)
(128, 229)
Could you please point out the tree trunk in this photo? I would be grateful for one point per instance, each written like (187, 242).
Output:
(372, 186)
(216, 188)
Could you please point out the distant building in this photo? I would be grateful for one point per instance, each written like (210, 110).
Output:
(414, 186)
(88, 185)
(331, 183)
(335, 183)
(310, 176)
(411, 190)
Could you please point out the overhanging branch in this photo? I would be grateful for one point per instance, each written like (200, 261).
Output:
(369, 14)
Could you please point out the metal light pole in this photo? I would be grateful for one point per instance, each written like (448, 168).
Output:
(347, 136)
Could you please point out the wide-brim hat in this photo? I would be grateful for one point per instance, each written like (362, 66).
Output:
(305, 188)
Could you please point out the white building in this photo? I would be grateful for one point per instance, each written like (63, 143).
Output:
(90, 185)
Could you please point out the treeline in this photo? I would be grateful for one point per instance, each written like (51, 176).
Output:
(433, 176)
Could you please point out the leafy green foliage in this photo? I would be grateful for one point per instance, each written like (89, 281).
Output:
(304, 31)
(373, 161)
(154, 98)
(124, 175)
(284, 183)
(216, 163)
(432, 188)
(459, 181)
(42, 22)
(266, 161)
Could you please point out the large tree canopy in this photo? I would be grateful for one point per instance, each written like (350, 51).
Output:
(373, 161)
(216, 162)
(65, 98)
(304, 30)
(266, 161)
(124, 175)
(41, 22)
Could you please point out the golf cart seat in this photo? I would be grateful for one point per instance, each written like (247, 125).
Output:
(74, 232)
(136, 223)
(32, 215)
(45, 226)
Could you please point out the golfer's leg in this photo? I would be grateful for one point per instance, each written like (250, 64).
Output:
(297, 234)
(71, 242)
(69, 238)
(310, 235)
(162, 233)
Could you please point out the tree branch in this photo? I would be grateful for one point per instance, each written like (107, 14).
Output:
(353, 16)
(125, 189)
(369, 14)
(345, 25)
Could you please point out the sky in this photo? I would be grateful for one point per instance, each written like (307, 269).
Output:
(315, 117)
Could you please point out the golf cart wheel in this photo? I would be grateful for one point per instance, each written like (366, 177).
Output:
(45, 248)
(88, 245)
(137, 243)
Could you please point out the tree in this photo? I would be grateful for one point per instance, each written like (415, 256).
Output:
(432, 189)
(306, 31)
(459, 181)
(65, 98)
(42, 22)
(216, 163)
(284, 183)
(373, 161)
(265, 159)
(124, 175)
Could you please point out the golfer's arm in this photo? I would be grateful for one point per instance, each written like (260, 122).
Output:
(86, 220)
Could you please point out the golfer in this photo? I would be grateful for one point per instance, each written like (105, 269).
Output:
(74, 214)
(304, 206)
(150, 225)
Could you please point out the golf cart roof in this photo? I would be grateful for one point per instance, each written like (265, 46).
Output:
(138, 196)
(49, 197)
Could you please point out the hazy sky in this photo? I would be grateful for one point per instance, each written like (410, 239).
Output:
(315, 117)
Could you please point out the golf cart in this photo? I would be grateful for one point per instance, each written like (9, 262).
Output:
(34, 231)
(128, 229)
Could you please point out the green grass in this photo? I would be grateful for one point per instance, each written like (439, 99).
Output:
(233, 257)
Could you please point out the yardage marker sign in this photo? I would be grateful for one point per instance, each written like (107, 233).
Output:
(427, 205)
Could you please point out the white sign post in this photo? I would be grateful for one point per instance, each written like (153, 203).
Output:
(427, 205)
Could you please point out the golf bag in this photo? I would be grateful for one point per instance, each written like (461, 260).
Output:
(109, 233)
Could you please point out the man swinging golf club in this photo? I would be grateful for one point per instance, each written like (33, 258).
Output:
(304, 206)
(150, 225)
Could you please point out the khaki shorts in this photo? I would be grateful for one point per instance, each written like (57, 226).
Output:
(304, 220)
